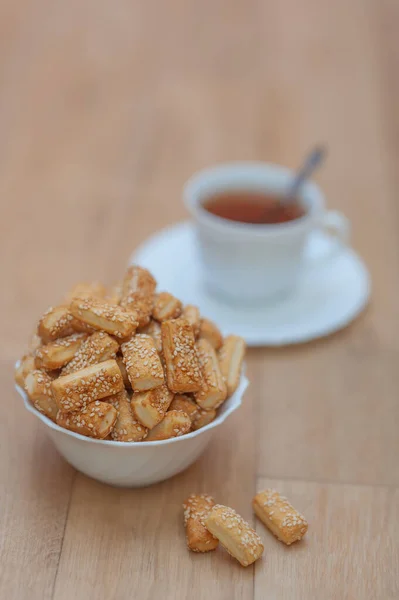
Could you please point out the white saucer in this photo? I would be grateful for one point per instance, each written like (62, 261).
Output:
(328, 298)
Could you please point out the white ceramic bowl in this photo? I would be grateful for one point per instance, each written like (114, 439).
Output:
(134, 464)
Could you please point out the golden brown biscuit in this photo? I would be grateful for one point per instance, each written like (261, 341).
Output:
(104, 317)
(204, 418)
(85, 289)
(38, 388)
(58, 322)
(166, 307)
(192, 314)
(38, 383)
(55, 323)
(73, 392)
(138, 279)
(80, 327)
(114, 294)
(186, 405)
(182, 365)
(174, 424)
(95, 349)
(55, 355)
(196, 509)
(231, 356)
(34, 342)
(274, 510)
(213, 390)
(140, 305)
(26, 366)
(121, 365)
(142, 363)
(153, 329)
(150, 406)
(96, 420)
(127, 428)
(210, 332)
(138, 292)
(235, 534)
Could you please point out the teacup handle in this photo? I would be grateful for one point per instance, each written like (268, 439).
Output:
(336, 225)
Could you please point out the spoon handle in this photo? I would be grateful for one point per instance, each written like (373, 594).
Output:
(312, 161)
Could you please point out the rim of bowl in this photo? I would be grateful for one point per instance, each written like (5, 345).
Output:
(235, 402)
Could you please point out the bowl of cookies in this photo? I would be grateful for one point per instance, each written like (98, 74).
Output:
(130, 384)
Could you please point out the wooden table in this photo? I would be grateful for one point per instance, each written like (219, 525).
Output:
(105, 109)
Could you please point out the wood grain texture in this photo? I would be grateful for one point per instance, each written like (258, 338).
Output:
(327, 426)
(349, 550)
(34, 496)
(105, 110)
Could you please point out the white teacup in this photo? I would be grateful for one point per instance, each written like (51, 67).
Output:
(252, 263)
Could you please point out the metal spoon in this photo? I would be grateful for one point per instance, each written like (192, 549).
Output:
(313, 160)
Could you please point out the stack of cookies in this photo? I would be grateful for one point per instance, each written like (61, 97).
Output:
(128, 363)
